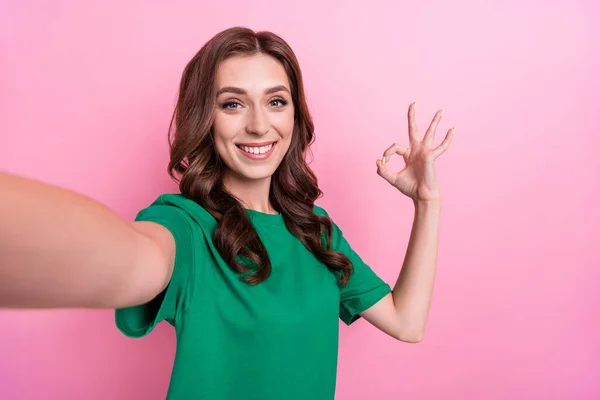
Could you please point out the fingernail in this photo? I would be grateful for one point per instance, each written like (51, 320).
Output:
(383, 160)
(442, 113)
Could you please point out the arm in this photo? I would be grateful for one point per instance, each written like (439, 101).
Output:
(403, 313)
(61, 249)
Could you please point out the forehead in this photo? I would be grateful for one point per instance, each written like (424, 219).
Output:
(252, 73)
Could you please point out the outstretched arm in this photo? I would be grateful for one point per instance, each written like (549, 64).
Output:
(62, 249)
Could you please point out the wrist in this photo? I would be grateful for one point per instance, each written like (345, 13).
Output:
(428, 204)
(428, 208)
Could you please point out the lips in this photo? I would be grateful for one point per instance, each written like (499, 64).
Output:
(257, 151)
(256, 144)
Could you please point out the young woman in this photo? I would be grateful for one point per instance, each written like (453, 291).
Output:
(252, 275)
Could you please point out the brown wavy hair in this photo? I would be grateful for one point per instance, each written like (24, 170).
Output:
(294, 187)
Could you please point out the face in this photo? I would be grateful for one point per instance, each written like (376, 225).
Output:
(254, 116)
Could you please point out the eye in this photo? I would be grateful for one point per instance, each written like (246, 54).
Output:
(231, 105)
(278, 102)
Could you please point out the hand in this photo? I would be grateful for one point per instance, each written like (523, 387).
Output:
(418, 179)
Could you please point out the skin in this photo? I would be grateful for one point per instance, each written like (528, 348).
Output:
(246, 111)
(254, 105)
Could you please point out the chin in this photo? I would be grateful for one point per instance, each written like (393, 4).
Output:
(255, 174)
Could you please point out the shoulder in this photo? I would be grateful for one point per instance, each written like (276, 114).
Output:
(176, 206)
(320, 211)
(335, 229)
(177, 200)
(190, 225)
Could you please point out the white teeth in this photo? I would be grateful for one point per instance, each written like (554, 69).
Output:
(257, 150)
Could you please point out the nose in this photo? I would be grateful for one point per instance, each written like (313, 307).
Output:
(258, 122)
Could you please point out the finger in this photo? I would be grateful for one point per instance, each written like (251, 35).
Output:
(394, 149)
(384, 172)
(430, 134)
(413, 131)
(438, 151)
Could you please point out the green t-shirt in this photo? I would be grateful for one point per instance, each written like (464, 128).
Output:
(272, 341)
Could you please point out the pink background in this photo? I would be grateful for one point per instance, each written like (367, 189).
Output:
(86, 95)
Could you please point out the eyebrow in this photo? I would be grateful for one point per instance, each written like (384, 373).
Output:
(237, 90)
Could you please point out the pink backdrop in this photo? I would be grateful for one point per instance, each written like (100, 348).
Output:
(86, 95)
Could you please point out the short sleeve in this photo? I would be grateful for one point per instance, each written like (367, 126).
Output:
(364, 288)
(138, 321)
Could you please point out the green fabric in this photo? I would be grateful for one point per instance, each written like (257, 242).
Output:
(273, 341)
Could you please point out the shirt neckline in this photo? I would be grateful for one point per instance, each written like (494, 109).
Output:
(264, 218)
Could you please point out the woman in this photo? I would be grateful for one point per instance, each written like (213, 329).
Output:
(250, 272)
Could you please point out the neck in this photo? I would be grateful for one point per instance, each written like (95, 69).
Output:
(252, 193)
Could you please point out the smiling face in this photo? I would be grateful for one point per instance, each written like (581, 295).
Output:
(254, 116)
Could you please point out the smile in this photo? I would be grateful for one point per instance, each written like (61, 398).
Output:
(259, 151)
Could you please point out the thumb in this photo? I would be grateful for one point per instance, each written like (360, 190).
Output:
(384, 172)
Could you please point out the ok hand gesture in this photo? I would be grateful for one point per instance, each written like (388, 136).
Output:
(418, 179)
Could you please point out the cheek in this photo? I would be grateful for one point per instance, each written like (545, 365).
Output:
(223, 132)
(221, 148)
(285, 124)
